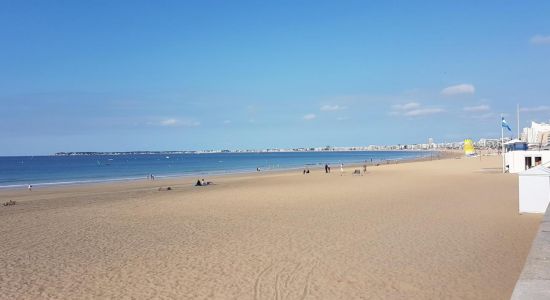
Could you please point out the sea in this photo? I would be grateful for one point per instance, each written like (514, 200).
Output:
(20, 171)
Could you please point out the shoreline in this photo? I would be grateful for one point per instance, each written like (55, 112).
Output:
(441, 155)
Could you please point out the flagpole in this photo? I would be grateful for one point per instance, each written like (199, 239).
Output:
(502, 141)
(519, 138)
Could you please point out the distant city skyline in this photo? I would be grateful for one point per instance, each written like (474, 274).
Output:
(128, 76)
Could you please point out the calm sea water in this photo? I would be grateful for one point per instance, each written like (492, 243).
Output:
(47, 170)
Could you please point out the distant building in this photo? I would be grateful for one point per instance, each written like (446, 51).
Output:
(488, 143)
(431, 144)
(537, 134)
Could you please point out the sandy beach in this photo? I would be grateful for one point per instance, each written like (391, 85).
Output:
(424, 230)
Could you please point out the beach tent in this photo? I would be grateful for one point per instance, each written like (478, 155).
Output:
(469, 148)
(534, 189)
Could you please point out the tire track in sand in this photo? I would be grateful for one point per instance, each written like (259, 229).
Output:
(258, 281)
(285, 280)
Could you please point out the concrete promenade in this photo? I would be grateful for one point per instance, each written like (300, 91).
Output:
(534, 281)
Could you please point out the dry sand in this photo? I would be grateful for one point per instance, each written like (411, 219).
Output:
(435, 229)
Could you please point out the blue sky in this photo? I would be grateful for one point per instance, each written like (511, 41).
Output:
(162, 75)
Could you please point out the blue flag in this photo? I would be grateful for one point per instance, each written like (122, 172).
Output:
(505, 125)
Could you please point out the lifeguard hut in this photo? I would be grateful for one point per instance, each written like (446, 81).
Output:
(518, 158)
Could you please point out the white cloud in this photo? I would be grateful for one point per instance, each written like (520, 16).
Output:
(423, 112)
(190, 123)
(309, 117)
(406, 106)
(477, 108)
(328, 107)
(540, 39)
(414, 109)
(227, 122)
(484, 116)
(458, 89)
(172, 122)
(169, 122)
(535, 109)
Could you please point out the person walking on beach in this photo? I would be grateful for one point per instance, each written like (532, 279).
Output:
(326, 168)
(30, 187)
(341, 169)
(365, 168)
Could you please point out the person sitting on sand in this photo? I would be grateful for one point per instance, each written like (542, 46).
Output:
(205, 183)
(198, 183)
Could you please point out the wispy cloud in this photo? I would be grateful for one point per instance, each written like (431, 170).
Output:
(477, 108)
(459, 89)
(406, 106)
(328, 107)
(309, 117)
(484, 116)
(169, 122)
(173, 122)
(535, 109)
(414, 109)
(423, 112)
(540, 39)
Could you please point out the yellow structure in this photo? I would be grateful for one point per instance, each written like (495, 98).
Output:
(469, 147)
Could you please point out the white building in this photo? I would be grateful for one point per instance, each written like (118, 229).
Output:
(534, 190)
(536, 134)
(489, 143)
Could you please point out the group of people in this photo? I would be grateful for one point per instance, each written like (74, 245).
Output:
(150, 177)
(327, 169)
(202, 182)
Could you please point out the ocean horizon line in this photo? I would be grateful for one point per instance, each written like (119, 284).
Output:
(179, 152)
